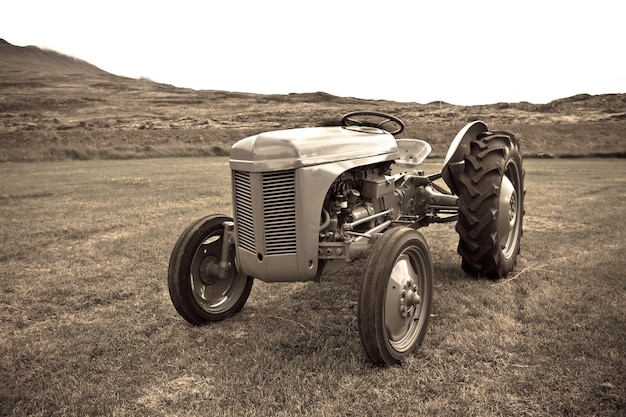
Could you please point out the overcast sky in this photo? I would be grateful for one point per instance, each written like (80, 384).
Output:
(462, 52)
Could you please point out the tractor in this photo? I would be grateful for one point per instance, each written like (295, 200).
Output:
(309, 201)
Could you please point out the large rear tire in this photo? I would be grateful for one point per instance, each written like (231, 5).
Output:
(198, 295)
(491, 205)
(396, 296)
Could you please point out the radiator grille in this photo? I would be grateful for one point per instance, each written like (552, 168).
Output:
(279, 212)
(243, 210)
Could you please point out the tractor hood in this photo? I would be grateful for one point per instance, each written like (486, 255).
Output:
(295, 148)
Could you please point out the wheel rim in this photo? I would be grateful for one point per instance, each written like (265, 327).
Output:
(214, 295)
(404, 301)
(509, 211)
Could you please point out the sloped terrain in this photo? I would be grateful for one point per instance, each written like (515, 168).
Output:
(54, 106)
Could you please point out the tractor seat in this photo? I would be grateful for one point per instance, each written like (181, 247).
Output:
(412, 152)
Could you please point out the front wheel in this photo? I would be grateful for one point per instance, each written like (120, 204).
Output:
(396, 296)
(197, 293)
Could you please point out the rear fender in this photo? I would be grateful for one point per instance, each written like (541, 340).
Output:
(460, 146)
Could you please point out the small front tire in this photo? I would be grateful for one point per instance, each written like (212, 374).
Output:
(396, 296)
(199, 296)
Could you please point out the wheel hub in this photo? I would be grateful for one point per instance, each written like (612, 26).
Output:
(507, 216)
(402, 299)
(410, 298)
(208, 265)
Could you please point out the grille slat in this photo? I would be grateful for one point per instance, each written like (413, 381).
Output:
(243, 210)
(279, 212)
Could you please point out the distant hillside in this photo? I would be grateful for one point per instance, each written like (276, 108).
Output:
(53, 106)
(32, 58)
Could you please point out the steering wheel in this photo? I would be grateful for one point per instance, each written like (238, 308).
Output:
(360, 118)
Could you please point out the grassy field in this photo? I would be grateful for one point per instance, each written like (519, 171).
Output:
(87, 327)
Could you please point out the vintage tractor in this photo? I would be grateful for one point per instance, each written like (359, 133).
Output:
(308, 201)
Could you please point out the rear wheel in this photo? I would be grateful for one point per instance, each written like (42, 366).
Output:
(197, 293)
(491, 205)
(396, 296)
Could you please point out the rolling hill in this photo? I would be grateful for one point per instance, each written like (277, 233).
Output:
(53, 106)
(22, 59)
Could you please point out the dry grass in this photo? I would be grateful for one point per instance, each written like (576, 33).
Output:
(88, 328)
